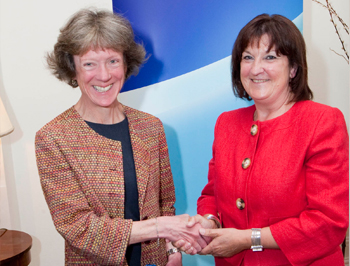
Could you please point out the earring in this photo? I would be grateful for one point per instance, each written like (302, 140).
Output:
(74, 83)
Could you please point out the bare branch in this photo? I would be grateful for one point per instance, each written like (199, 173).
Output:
(332, 14)
(331, 9)
(347, 60)
(336, 30)
(346, 28)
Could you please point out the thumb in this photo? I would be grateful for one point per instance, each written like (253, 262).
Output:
(208, 232)
(191, 222)
(194, 220)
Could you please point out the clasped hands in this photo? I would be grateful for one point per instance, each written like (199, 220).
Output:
(201, 236)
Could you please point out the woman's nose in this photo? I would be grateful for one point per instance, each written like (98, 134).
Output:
(257, 67)
(103, 73)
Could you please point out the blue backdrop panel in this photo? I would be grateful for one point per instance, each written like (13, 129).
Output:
(183, 35)
(186, 81)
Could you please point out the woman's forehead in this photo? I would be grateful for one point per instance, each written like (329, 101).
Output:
(264, 40)
(98, 48)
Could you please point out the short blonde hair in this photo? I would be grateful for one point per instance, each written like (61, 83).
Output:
(94, 29)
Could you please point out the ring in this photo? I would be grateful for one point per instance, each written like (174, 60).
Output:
(172, 251)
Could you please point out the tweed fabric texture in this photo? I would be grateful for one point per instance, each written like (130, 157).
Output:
(81, 174)
(297, 183)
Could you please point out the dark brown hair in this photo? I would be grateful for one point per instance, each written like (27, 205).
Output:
(286, 38)
(94, 29)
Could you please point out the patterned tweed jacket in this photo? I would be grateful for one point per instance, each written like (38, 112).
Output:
(81, 174)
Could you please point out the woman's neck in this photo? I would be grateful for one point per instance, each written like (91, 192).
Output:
(266, 112)
(98, 114)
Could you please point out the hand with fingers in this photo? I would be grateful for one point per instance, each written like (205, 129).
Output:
(194, 221)
(177, 229)
(226, 242)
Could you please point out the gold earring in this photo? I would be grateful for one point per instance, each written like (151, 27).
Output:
(74, 83)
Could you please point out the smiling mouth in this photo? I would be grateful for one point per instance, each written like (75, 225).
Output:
(103, 89)
(259, 80)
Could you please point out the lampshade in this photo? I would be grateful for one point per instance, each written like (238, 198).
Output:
(5, 123)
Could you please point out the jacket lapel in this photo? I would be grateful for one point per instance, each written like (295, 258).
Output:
(142, 158)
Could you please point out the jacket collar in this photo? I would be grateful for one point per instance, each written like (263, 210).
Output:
(141, 151)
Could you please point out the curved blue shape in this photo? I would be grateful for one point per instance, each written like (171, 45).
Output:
(182, 36)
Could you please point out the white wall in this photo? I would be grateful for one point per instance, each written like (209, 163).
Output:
(328, 72)
(33, 97)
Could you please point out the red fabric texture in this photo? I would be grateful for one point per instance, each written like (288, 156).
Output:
(297, 183)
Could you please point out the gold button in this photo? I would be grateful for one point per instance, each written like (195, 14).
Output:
(240, 204)
(254, 130)
(246, 163)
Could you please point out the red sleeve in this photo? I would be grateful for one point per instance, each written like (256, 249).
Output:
(321, 227)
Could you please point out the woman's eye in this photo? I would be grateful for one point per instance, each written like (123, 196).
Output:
(114, 61)
(87, 64)
(247, 57)
(270, 57)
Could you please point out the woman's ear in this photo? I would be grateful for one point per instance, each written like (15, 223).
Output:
(293, 71)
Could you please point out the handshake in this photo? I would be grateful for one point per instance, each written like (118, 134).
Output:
(191, 235)
(194, 235)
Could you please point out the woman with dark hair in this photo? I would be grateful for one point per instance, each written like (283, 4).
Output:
(104, 167)
(278, 179)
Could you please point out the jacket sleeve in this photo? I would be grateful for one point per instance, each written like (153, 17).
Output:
(167, 189)
(321, 227)
(100, 239)
(206, 203)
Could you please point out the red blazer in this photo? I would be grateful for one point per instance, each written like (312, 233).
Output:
(297, 183)
(81, 174)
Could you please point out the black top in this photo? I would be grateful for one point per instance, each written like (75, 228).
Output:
(120, 132)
